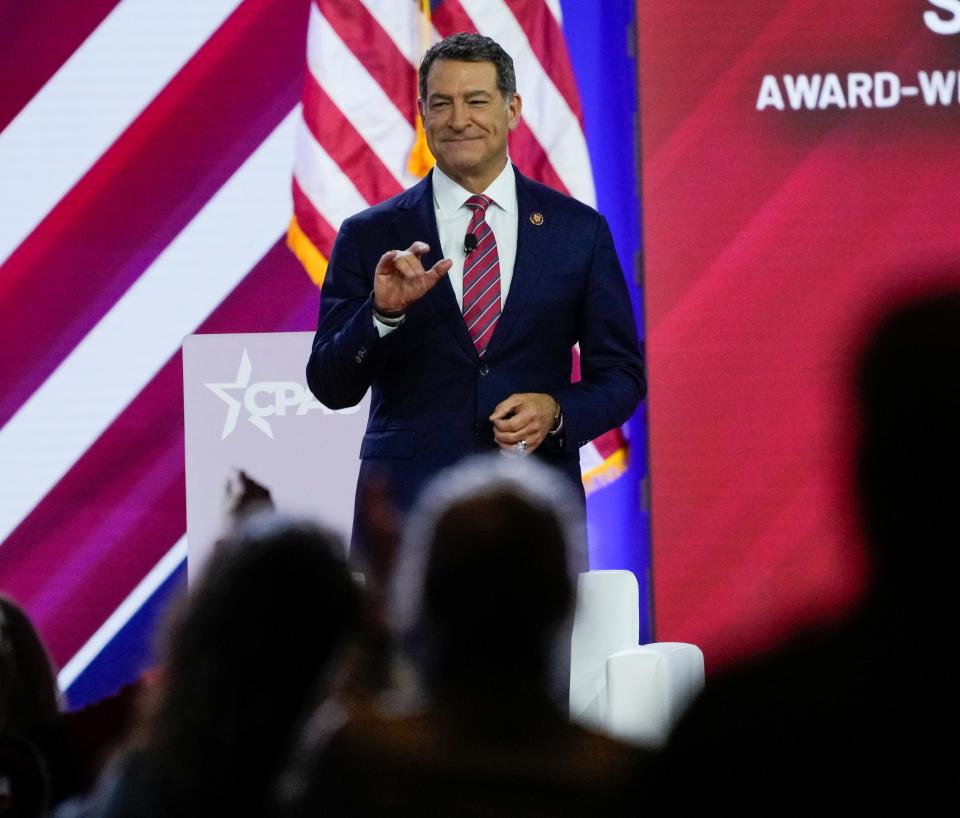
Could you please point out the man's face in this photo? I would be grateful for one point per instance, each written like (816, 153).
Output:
(466, 121)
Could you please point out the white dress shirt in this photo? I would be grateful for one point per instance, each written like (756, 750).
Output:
(453, 216)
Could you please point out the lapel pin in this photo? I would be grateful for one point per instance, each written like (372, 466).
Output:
(536, 218)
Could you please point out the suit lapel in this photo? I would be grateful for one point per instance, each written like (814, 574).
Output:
(532, 246)
(416, 221)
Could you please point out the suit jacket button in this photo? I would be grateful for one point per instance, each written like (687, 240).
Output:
(484, 369)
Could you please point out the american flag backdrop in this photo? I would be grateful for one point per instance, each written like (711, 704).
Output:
(158, 162)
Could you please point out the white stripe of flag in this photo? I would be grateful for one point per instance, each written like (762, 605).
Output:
(399, 24)
(554, 6)
(330, 191)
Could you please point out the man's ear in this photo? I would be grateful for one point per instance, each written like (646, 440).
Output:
(420, 108)
(514, 107)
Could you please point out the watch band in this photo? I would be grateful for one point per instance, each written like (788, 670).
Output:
(557, 423)
(390, 318)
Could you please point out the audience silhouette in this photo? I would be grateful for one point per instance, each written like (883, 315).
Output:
(481, 591)
(29, 710)
(858, 717)
(852, 717)
(245, 654)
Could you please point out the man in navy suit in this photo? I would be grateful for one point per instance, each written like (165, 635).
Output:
(465, 337)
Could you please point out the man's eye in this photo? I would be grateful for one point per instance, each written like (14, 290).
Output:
(436, 106)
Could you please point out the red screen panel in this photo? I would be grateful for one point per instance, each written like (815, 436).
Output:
(799, 168)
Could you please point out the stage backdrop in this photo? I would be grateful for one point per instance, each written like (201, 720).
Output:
(799, 167)
(146, 158)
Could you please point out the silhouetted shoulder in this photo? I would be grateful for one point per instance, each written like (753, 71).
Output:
(436, 763)
(840, 710)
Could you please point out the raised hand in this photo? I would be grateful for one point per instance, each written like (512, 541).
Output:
(400, 279)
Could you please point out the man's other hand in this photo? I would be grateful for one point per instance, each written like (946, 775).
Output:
(400, 279)
(526, 416)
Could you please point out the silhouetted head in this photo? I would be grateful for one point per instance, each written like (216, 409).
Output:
(908, 467)
(244, 655)
(484, 579)
(29, 696)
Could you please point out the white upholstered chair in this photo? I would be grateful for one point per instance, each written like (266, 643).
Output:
(635, 692)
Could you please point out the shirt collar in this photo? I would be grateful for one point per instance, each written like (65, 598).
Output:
(448, 196)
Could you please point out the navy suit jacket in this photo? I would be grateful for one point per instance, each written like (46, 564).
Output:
(431, 393)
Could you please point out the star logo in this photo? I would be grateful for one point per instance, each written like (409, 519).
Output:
(221, 390)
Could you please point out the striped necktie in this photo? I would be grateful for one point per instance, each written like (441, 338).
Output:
(481, 277)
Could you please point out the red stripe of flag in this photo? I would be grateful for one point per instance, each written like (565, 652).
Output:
(317, 228)
(345, 146)
(370, 44)
(609, 443)
(528, 155)
(145, 189)
(550, 47)
(450, 18)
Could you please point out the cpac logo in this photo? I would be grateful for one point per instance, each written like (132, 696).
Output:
(265, 399)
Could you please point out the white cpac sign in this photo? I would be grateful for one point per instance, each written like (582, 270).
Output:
(265, 399)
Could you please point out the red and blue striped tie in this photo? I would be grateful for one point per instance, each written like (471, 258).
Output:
(481, 277)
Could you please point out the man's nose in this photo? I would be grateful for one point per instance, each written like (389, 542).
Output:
(459, 118)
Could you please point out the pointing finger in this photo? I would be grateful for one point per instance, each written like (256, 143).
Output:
(442, 267)
(387, 257)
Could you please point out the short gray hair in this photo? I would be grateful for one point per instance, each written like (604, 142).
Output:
(467, 47)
